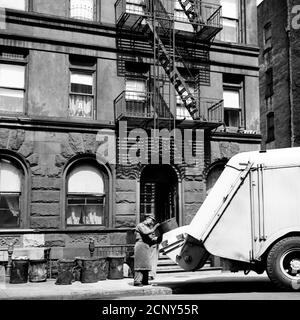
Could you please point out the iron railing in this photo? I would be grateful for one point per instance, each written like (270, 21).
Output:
(208, 14)
(133, 104)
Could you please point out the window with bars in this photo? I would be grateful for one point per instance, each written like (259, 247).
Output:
(10, 194)
(86, 197)
(82, 88)
(148, 191)
(230, 20)
(83, 9)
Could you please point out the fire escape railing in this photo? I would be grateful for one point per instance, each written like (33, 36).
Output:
(135, 104)
(153, 19)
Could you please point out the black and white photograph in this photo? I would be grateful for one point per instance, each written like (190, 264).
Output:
(149, 156)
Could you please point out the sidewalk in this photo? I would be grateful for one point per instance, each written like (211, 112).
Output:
(164, 284)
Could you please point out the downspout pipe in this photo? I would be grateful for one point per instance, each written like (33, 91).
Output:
(291, 97)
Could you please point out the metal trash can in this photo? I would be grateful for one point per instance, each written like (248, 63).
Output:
(130, 263)
(167, 226)
(38, 270)
(93, 269)
(19, 271)
(65, 272)
(116, 270)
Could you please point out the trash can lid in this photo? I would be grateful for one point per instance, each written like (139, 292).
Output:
(20, 259)
(66, 260)
(116, 257)
(87, 258)
(38, 260)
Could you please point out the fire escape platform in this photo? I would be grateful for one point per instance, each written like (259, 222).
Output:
(131, 17)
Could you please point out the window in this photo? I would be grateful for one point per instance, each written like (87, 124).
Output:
(233, 100)
(135, 7)
(13, 4)
(135, 90)
(82, 9)
(86, 197)
(10, 194)
(12, 88)
(230, 21)
(268, 35)
(232, 107)
(269, 83)
(82, 87)
(270, 127)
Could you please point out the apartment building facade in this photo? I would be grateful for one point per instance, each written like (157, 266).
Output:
(278, 30)
(90, 91)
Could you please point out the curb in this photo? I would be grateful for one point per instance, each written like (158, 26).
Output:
(80, 292)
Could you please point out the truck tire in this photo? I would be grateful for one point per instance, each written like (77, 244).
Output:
(283, 264)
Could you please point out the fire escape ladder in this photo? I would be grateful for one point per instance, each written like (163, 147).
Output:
(167, 62)
(192, 12)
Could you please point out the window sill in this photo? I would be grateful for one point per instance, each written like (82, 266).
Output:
(17, 231)
(54, 123)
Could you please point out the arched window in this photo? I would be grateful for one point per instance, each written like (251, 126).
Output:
(11, 179)
(86, 196)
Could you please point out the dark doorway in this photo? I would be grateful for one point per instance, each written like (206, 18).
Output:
(159, 192)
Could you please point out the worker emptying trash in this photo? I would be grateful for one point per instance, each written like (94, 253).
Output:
(145, 240)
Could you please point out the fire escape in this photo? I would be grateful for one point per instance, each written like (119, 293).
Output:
(151, 29)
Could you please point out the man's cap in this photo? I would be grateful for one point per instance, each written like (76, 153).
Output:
(151, 216)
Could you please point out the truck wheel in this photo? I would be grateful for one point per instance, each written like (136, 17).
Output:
(283, 264)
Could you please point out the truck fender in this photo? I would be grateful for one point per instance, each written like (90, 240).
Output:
(274, 238)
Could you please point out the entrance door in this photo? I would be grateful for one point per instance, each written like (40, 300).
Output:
(159, 192)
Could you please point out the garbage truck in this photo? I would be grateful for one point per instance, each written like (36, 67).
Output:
(250, 219)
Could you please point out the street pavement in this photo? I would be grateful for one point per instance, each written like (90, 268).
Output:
(164, 285)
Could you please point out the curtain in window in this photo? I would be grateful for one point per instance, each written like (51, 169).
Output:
(231, 99)
(135, 6)
(81, 98)
(86, 197)
(86, 180)
(13, 204)
(10, 180)
(135, 90)
(13, 4)
(10, 190)
(82, 9)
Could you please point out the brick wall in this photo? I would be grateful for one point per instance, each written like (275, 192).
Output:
(275, 12)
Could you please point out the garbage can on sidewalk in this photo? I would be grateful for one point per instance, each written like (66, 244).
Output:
(38, 270)
(93, 269)
(116, 270)
(65, 272)
(19, 271)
